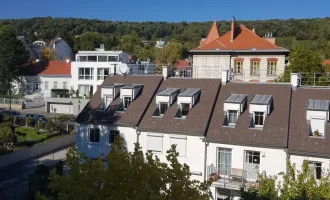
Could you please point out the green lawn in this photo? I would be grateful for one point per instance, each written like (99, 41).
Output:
(28, 134)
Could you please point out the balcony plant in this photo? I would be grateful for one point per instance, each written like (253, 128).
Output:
(214, 177)
(316, 133)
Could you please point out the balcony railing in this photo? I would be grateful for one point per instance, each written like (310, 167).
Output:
(233, 178)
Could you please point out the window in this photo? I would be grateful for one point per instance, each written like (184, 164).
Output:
(232, 117)
(180, 145)
(86, 73)
(316, 167)
(252, 157)
(94, 135)
(112, 136)
(102, 59)
(46, 85)
(185, 109)
(162, 108)
(65, 85)
(224, 161)
(317, 127)
(271, 68)
(107, 99)
(255, 67)
(258, 118)
(102, 73)
(238, 67)
(84, 90)
(82, 58)
(127, 101)
(155, 143)
(55, 85)
(112, 58)
(92, 58)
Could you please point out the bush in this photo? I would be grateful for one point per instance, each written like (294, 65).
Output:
(38, 182)
(7, 136)
(60, 92)
(8, 117)
(38, 126)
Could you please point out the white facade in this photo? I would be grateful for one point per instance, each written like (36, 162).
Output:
(92, 67)
(299, 160)
(238, 160)
(210, 66)
(192, 149)
(102, 148)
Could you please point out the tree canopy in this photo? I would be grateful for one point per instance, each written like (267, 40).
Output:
(126, 175)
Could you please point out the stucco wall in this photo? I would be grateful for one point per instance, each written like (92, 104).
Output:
(298, 160)
(76, 107)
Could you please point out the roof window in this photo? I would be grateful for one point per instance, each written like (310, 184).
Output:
(260, 108)
(186, 100)
(108, 93)
(317, 117)
(233, 107)
(164, 99)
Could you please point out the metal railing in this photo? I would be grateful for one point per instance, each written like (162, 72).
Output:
(232, 177)
(314, 79)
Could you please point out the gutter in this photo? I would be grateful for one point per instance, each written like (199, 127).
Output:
(238, 51)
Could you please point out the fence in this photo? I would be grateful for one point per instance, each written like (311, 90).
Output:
(315, 79)
(36, 150)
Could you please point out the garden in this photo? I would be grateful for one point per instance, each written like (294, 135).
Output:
(18, 133)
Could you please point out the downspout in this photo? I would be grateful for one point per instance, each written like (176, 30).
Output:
(205, 156)
(288, 136)
(138, 133)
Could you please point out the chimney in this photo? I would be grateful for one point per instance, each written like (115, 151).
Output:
(224, 77)
(295, 80)
(253, 29)
(233, 25)
(165, 72)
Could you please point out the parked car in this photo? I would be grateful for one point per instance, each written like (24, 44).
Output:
(12, 112)
(37, 117)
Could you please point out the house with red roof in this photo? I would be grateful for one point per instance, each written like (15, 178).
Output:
(240, 51)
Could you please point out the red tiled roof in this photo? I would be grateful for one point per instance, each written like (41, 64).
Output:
(326, 62)
(244, 39)
(212, 35)
(181, 63)
(49, 68)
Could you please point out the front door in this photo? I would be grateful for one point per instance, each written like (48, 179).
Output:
(251, 165)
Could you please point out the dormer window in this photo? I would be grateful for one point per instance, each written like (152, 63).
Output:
(108, 93)
(260, 108)
(128, 94)
(187, 99)
(165, 99)
(233, 107)
(317, 117)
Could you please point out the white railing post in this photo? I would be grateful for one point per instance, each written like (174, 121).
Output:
(165, 72)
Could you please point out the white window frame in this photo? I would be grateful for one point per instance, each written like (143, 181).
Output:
(252, 153)
(85, 86)
(124, 106)
(114, 133)
(254, 119)
(184, 154)
(255, 68)
(65, 85)
(314, 168)
(218, 160)
(182, 110)
(271, 68)
(228, 117)
(83, 76)
(161, 146)
(101, 77)
(46, 85)
(159, 107)
(55, 85)
(238, 66)
(105, 102)
(89, 135)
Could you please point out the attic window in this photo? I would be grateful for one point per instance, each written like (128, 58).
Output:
(108, 93)
(233, 107)
(187, 99)
(128, 94)
(164, 99)
(106, 100)
(317, 117)
(260, 108)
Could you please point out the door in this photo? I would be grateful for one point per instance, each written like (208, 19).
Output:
(251, 165)
(224, 161)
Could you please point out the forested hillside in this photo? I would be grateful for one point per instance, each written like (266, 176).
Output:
(291, 33)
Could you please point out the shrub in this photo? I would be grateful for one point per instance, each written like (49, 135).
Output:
(7, 137)
(38, 181)
(60, 92)
(28, 121)
(38, 126)
(15, 120)
(8, 117)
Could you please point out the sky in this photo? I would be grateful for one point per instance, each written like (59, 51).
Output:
(166, 10)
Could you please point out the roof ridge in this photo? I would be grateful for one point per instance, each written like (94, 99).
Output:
(213, 33)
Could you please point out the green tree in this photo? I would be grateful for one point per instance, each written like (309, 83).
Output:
(12, 60)
(7, 137)
(170, 53)
(144, 53)
(129, 43)
(126, 175)
(47, 54)
(303, 60)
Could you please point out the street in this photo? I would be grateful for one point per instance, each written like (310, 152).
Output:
(13, 178)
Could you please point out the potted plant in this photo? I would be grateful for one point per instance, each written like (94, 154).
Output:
(316, 132)
(214, 177)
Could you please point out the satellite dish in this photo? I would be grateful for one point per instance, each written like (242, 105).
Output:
(123, 68)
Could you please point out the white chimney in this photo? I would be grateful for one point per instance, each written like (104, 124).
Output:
(165, 72)
(224, 77)
(295, 80)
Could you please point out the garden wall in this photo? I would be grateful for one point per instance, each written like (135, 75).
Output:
(36, 150)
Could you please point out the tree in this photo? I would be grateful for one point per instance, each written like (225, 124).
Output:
(170, 53)
(48, 54)
(296, 185)
(126, 175)
(12, 60)
(303, 60)
(7, 137)
(129, 43)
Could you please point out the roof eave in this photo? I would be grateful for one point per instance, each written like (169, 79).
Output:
(238, 51)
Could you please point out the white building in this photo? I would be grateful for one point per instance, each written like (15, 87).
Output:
(249, 57)
(92, 67)
(116, 108)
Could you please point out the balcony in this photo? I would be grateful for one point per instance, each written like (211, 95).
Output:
(232, 179)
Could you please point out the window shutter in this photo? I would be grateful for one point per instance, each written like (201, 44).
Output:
(180, 145)
(155, 143)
